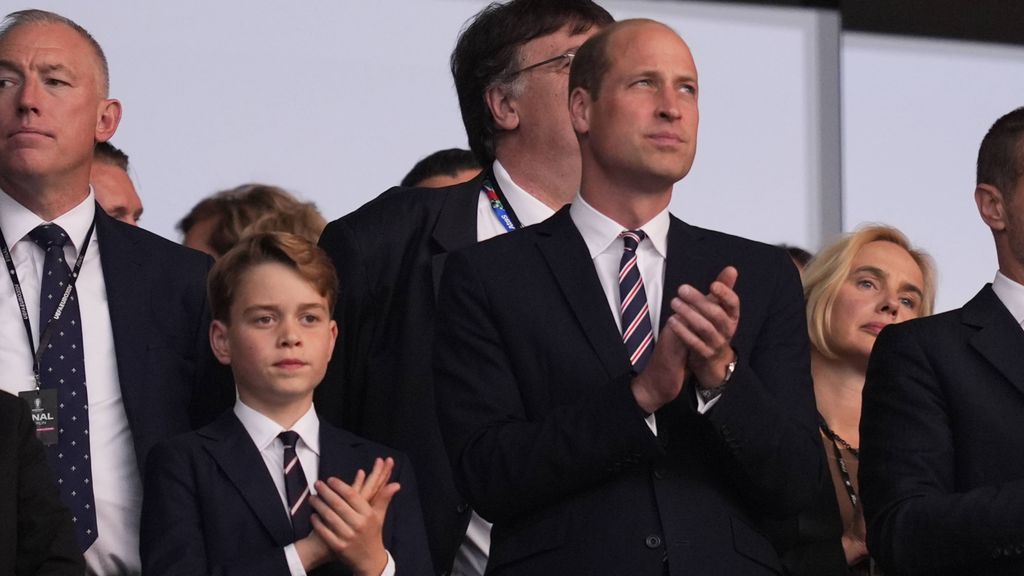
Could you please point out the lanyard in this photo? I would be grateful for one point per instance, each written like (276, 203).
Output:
(506, 217)
(44, 338)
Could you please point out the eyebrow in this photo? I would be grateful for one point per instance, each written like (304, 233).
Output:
(8, 65)
(879, 273)
(44, 68)
(276, 308)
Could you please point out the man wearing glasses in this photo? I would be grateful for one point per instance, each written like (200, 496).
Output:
(511, 71)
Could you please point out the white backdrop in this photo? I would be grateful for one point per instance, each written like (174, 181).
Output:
(336, 100)
(914, 114)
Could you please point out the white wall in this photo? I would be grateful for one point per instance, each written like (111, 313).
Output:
(336, 100)
(914, 114)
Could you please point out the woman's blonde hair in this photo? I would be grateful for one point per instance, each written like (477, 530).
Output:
(826, 272)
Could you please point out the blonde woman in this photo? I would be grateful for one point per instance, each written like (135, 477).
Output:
(854, 288)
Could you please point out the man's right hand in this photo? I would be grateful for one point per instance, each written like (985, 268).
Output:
(662, 380)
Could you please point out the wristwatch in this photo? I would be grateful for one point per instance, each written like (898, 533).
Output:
(709, 394)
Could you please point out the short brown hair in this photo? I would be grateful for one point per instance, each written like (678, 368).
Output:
(592, 60)
(295, 252)
(826, 272)
(1001, 155)
(252, 208)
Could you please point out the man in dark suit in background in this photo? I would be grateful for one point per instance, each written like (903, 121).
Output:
(941, 476)
(36, 536)
(593, 449)
(127, 361)
(511, 69)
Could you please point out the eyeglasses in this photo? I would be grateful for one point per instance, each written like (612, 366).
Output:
(568, 56)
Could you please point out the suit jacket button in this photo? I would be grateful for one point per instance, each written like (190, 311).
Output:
(462, 507)
(653, 541)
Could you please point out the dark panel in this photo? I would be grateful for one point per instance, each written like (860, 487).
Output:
(999, 21)
(788, 3)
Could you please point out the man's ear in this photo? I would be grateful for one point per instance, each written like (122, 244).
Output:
(579, 110)
(219, 341)
(334, 338)
(503, 107)
(107, 119)
(991, 206)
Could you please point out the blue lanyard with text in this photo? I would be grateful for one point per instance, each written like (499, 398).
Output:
(44, 338)
(498, 206)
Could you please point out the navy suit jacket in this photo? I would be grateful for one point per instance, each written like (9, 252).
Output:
(211, 507)
(942, 434)
(156, 291)
(37, 536)
(389, 255)
(547, 441)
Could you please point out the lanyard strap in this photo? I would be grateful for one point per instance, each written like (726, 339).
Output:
(505, 215)
(44, 338)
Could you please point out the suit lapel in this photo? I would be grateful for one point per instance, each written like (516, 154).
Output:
(569, 261)
(127, 297)
(690, 260)
(336, 454)
(232, 449)
(999, 338)
(456, 224)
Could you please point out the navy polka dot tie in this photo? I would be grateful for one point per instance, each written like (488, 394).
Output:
(295, 486)
(63, 368)
(636, 317)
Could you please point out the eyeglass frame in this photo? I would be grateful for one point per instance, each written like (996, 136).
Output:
(569, 55)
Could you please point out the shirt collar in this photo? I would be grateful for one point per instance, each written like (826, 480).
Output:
(17, 221)
(264, 431)
(1011, 294)
(528, 209)
(600, 231)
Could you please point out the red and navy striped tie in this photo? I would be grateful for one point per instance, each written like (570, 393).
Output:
(295, 486)
(636, 318)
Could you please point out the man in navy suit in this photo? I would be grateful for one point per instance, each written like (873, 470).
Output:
(941, 478)
(239, 496)
(511, 71)
(593, 448)
(148, 372)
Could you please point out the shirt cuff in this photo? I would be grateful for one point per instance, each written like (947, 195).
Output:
(389, 568)
(652, 423)
(294, 562)
(702, 405)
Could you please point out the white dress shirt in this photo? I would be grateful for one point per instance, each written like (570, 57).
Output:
(527, 208)
(117, 486)
(1011, 294)
(602, 236)
(471, 558)
(264, 433)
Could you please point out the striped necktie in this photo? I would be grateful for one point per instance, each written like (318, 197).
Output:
(636, 318)
(295, 486)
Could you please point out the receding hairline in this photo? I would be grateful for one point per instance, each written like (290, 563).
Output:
(25, 18)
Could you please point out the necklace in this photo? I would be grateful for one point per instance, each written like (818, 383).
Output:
(837, 439)
(844, 472)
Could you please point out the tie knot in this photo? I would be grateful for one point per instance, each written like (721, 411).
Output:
(632, 238)
(48, 235)
(289, 438)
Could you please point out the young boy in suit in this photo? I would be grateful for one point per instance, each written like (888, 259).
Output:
(268, 488)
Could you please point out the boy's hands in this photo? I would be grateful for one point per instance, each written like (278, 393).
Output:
(349, 519)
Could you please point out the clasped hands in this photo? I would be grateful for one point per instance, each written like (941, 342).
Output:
(696, 339)
(348, 521)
